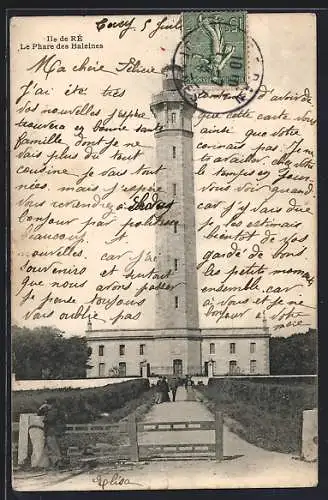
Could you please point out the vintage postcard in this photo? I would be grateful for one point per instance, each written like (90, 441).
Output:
(163, 251)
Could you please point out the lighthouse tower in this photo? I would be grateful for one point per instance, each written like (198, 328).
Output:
(177, 345)
(176, 242)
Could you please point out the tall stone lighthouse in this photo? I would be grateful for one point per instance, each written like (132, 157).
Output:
(176, 243)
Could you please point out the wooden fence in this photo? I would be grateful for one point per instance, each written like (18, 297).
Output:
(128, 442)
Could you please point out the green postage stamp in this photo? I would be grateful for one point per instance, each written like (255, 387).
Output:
(215, 48)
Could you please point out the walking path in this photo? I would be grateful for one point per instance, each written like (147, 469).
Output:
(244, 465)
(181, 410)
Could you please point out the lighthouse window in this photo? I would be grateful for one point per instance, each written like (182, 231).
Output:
(173, 117)
(212, 348)
(122, 349)
(175, 264)
(252, 347)
(174, 189)
(176, 302)
(101, 350)
(175, 227)
(232, 348)
(174, 152)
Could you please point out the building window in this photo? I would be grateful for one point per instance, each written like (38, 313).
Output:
(212, 348)
(253, 366)
(232, 348)
(176, 298)
(252, 347)
(101, 370)
(101, 350)
(174, 189)
(175, 227)
(142, 349)
(174, 152)
(175, 264)
(232, 367)
(173, 117)
(122, 349)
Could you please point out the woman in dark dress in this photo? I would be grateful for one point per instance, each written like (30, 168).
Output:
(164, 387)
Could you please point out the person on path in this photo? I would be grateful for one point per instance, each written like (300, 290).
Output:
(54, 426)
(174, 387)
(189, 388)
(188, 381)
(164, 387)
(158, 396)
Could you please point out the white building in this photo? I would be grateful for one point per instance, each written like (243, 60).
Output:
(177, 345)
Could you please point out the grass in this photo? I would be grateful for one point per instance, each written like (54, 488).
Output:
(267, 415)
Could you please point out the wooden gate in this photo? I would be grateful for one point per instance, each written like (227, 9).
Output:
(135, 450)
(185, 450)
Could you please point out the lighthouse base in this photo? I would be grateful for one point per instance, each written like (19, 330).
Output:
(178, 351)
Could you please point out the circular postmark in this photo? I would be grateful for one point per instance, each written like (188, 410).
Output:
(207, 84)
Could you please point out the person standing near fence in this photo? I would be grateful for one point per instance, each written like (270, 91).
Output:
(54, 426)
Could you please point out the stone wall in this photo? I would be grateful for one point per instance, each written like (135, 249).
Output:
(84, 383)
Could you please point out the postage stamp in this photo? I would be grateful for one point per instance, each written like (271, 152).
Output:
(215, 48)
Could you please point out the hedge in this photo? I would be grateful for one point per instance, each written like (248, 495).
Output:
(276, 379)
(80, 405)
(278, 397)
(267, 414)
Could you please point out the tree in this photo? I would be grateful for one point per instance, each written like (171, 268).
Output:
(294, 355)
(45, 353)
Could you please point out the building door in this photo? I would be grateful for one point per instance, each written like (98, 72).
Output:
(144, 365)
(122, 369)
(177, 367)
(101, 370)
(232, 367)
(206, 368)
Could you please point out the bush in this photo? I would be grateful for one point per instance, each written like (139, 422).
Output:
(269, 412)
(278, 397)
(80, 405)
(267, 379)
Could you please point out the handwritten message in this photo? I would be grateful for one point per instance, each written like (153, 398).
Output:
(256, 185)
(85, 203)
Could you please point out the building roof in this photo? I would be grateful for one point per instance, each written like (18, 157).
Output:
(196, 333)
